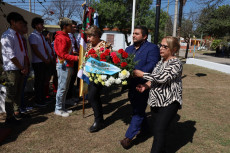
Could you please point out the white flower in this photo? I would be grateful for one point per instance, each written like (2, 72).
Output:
(111, 80)
(107, 83)
(103, 77)
(118, 81)
(124, 74)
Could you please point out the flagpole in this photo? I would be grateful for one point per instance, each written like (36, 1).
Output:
(133, 20)
(81, 90)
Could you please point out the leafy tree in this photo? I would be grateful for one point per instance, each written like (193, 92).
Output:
(118, 13)
(215, 21)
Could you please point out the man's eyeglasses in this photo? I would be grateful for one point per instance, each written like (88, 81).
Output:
(164, 46)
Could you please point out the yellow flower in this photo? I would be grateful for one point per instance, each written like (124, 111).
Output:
(90, 79)
(124, 82)
(96, 81)
(124, 72)
(92, 74)
(103, 83)
(89, 74)
(99, 79)
(97, 75)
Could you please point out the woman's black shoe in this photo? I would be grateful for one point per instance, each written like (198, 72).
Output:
(96, 127)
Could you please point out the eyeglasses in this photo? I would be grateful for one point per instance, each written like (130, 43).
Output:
(164, 46)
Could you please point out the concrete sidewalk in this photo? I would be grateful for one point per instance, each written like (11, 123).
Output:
(198, 55)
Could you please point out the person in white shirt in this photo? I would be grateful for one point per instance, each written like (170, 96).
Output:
(40, 60)
(52, 66)
(14, 65)
(70, 99)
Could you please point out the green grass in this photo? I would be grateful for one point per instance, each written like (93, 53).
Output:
(202, 126)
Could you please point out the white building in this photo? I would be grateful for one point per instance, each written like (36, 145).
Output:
(117, 39)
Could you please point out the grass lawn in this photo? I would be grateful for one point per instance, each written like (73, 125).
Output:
(201, 126)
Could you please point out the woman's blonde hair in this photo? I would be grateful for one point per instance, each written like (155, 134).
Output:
(94, 31)
(173, 43)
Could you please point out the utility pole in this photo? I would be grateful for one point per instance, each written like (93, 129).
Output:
(30, 5)
(133, 20)
(157, 21)
(167, 19)
(180, 17)
(175, 19)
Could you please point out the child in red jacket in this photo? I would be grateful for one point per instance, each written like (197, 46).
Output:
(65, 61)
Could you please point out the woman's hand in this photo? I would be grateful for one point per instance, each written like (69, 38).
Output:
(141, 87)
(138, 73)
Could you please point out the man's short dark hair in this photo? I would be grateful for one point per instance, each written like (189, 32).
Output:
(74, 22)
(36, 21)
(15, 17)
(144, 30)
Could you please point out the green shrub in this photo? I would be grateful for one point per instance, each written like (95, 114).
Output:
(215, 44)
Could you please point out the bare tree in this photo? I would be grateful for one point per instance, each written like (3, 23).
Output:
(63, 8)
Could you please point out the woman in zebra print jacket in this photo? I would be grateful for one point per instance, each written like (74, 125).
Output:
(165, 96)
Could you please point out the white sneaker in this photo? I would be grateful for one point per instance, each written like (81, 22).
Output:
(61, 113)
(68, 111)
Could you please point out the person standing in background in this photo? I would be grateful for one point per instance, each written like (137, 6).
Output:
(15, 67)
(70, 98)
(40, 60)
(64, 66)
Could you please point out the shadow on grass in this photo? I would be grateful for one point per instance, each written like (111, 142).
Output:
(201, 74)
(180, 134)
(25, 123)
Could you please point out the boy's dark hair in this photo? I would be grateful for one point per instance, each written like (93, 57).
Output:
(64, 22)
(45, 33)
(144, 30)
(15, 17)
(36, 21)
(74, 22)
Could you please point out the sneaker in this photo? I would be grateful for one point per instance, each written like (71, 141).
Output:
(68, 111)
(61, 113)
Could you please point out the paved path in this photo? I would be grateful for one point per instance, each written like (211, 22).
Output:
(219, 60)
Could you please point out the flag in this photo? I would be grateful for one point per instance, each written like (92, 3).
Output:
(87, 22)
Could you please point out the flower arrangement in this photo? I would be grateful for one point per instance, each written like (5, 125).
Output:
(119, 58)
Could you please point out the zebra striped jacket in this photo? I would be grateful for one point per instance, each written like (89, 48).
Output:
(166, 83)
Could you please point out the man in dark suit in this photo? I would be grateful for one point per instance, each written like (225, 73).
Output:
(147, 54)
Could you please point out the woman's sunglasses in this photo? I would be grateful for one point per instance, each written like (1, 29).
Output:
(164, 46)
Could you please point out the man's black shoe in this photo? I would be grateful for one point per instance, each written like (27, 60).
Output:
(12, 121)
(96, 127)
(20, 116)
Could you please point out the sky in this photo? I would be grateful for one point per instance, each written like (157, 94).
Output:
(191, 5)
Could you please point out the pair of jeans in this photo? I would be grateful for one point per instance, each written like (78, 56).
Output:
(14, 85)
(40, 71)
(162, 118)
(139, 121)
(64, 75)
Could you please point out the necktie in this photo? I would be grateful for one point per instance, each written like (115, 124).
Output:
(44, 45)
(20, 43)
(25, 46)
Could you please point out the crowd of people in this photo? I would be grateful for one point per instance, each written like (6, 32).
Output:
(155, 81)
